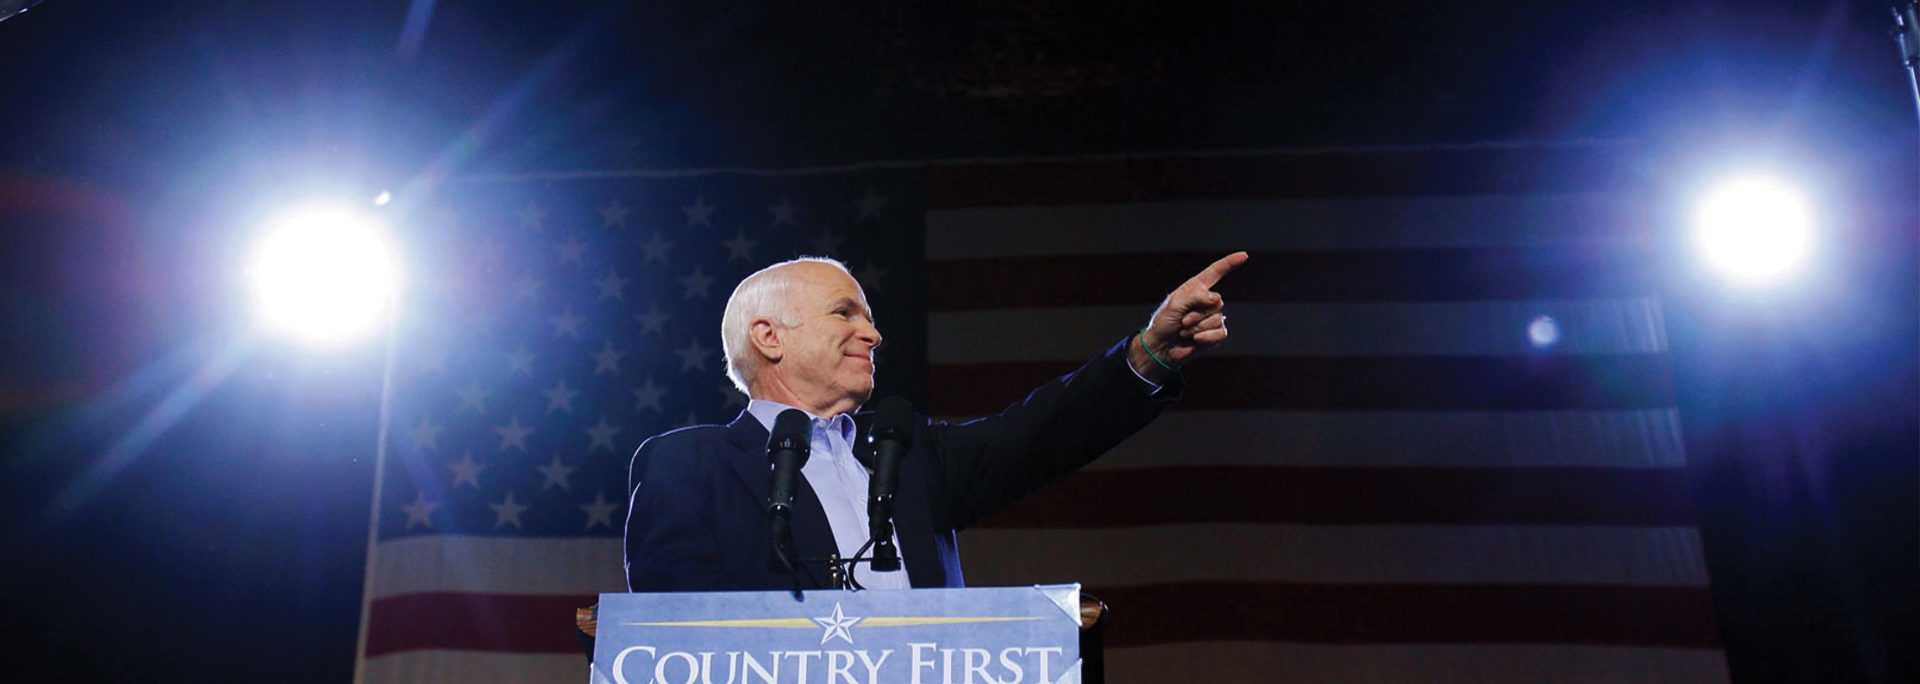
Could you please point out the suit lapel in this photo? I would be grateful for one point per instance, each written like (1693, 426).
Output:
(912, 519)
(812, 536)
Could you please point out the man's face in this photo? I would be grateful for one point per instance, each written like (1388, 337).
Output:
(829, 358)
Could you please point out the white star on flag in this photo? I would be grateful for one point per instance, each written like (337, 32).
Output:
(656, 249)
(600, 512)
(699, 213)
(521, 361)
(420, 512)
(567, 323)
(533, 217)
(529, 288)
(614, 214)
(612, 287)
(571, 251)
(647, 395)
(513, 434)
(560, 397)
(602, 435)
(694, 356)
(556, 474)
(740, 248)
(653, 321)
(509, 512)
(607, 360)
(869, 206)
(434, 360)
(827, 244)
(838, 625)
(870, 276)
(482, 323)
(733, 395)
(697, 283)
(783, 212)
(488, 252)
(427, 435)
(466, 471)
(473, 396)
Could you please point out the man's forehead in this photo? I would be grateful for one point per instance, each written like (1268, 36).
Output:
(829, 284)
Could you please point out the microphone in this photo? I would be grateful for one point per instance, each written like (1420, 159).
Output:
(787, 448)
(892, 437)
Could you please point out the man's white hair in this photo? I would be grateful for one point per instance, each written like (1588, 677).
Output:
(768, 293)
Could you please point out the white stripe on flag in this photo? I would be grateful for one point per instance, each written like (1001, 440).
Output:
(497, 565)
(1413, 664)
(1600, 326)
(1562, 439)
(1228, 225)
(1376, 554)
(475, 667)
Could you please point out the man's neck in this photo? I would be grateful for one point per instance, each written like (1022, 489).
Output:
(818, 409)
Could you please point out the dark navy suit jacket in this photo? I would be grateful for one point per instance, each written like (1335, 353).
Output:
(695, 519)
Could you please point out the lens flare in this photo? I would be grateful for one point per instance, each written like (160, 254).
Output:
(1754, 230)
(325, 275)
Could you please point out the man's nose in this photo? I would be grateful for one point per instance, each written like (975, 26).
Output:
(868, 333)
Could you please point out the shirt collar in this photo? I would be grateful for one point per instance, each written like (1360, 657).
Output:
(766, 411)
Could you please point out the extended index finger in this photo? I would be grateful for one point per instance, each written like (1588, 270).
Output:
(1220, 269)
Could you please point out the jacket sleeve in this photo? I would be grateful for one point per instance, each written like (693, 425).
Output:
(1064, 424)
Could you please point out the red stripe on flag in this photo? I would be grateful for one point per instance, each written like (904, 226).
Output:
(1393, 383)
(1673, 617)
(1354, 496)
(475, 622)
(1304, 175)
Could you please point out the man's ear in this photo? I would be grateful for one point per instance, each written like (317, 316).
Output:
(765, 338)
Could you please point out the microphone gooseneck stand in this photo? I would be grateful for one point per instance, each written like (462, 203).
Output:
(788, 447)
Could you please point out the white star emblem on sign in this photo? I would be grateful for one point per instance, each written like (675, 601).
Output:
(838, 626)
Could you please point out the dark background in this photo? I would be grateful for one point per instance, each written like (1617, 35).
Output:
(138, 142)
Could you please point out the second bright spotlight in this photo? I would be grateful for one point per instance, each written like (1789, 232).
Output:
(326, 275)
(1754, 230)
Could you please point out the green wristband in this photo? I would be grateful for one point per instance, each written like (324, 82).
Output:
(1151, 355)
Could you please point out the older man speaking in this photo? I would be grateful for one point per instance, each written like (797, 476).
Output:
(799, 335)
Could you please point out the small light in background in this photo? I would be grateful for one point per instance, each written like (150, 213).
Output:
(325, 275)
(1543, 332)
(1754, 230)
(382, 199)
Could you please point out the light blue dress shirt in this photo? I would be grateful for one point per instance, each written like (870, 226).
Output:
(840, 481)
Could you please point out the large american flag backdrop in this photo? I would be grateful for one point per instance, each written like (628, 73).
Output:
(1440, 447)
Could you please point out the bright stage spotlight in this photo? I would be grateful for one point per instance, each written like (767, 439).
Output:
(325, 275)
(1754, 230)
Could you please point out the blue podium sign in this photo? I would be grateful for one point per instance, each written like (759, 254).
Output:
(1006, 635)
